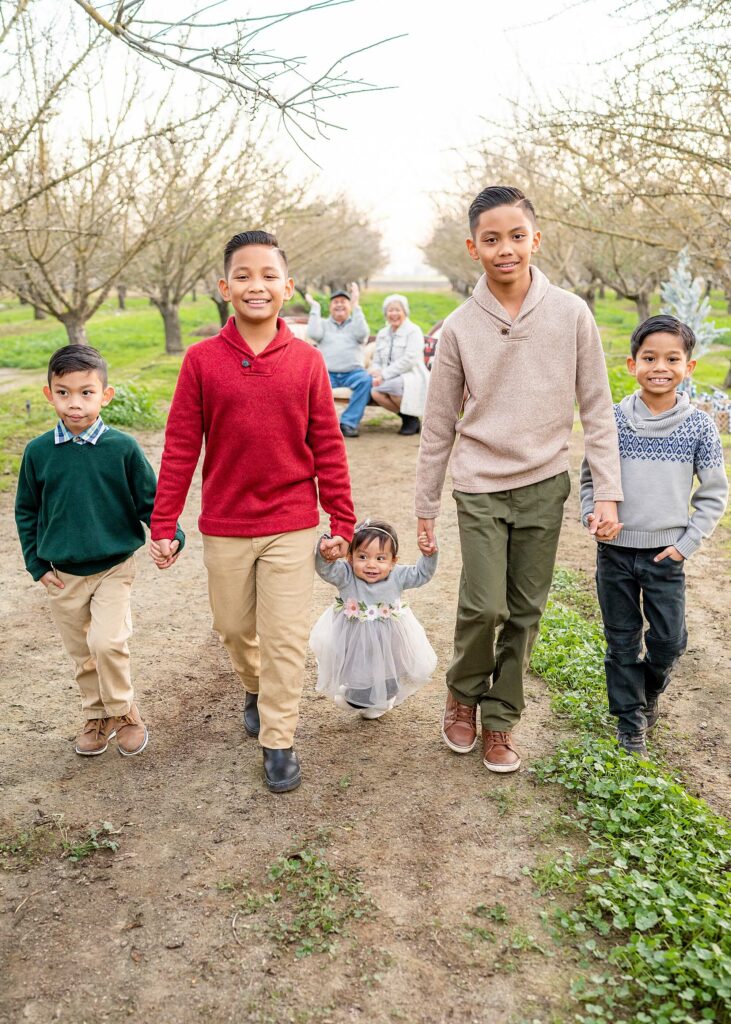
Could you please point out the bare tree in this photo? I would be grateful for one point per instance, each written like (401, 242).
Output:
(192, 202)
(70, 238)
(216, 43)
(659, 138)
(329, 243)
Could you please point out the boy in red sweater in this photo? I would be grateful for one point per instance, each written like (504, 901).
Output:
(262, 400)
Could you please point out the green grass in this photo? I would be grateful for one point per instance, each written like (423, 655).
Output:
(304, 903)
(134, 347)
(653, 920)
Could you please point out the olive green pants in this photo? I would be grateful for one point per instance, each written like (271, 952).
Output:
(509, 541)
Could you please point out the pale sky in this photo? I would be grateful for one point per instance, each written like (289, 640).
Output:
(459, 62)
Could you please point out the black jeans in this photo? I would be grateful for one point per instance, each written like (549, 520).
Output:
(629, 583)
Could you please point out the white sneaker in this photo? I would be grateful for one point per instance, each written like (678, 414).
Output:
(370, 713)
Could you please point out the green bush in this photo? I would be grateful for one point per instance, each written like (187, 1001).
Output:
(133, 406)
(655, 879)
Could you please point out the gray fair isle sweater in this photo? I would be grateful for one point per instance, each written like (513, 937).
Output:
(659, 457)
(502, 395)
(341, 344)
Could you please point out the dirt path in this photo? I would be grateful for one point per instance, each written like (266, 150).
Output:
(182, 923)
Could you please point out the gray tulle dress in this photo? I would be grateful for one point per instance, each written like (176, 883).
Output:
(371, 650)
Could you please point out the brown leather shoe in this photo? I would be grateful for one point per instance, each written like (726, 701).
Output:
(498, 752)
(94, 737)
(131, 733)
(459, 726)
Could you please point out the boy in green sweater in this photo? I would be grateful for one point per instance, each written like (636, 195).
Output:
(83, 493)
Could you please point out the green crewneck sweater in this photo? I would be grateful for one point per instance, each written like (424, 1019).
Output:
(80, 507)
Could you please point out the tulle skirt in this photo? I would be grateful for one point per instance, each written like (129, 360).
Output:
(372, 664)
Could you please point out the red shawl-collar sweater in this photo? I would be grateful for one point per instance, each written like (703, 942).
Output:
(272, 440)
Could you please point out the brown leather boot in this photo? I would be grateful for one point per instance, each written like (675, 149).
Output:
(459, 726)
(131, 733)
(94, 737)
(498, 752)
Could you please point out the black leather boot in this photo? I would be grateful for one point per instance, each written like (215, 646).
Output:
(251, 714)
(410, 424)
(281, 769)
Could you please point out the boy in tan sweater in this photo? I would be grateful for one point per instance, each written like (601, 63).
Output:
(510, 362)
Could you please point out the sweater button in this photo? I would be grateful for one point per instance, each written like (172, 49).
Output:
(505, 330)
(246, 363)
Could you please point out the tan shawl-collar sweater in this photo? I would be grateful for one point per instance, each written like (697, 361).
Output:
(505, 389)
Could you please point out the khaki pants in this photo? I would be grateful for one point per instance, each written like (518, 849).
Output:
(95, 621)
(509, 541)
(260, 590)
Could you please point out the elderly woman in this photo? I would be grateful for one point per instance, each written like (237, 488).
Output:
(400, 377)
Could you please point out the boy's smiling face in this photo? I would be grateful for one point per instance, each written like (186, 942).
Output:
(661, 364)
(78, 398)
(257, 285)
(505, 238)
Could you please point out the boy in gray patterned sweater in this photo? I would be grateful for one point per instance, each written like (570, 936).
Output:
(663, 443)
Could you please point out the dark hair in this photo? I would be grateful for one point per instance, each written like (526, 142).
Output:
(374, 529)
(499, 195)
(245, 238)
(662, 324)
(71, 358)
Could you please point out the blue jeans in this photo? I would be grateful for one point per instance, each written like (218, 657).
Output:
(628, 583)
(360, 383)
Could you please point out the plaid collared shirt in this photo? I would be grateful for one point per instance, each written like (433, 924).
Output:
(89, 436)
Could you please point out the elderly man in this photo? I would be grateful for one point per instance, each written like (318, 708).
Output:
(341, 339)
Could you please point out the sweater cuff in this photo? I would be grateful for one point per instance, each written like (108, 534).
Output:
(38, 569)
(422, 513)
(687, 545)
(164, 530)
(608, 496)
(338, 528)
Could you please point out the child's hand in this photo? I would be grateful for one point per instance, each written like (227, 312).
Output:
(603, 522)
(164, 552)
(672, 553)
(332, 548)
(425, 536)
(51, 577)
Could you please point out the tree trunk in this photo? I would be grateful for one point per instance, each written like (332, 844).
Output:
(193, 296)
(122, 295)
(588, 295)
(75, 329)
(173, 338)
(727, 381)
(222, 307)
(602, 292)
(38, 314)
(642, 301)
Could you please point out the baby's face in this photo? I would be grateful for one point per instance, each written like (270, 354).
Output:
(372, 562)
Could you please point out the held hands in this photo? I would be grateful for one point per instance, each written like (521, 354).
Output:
(425, 536)
(51, 577)
(332, 548)
(354, 294)
(672, 553)
(164, 553)
(376, 375)
(603, 522)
